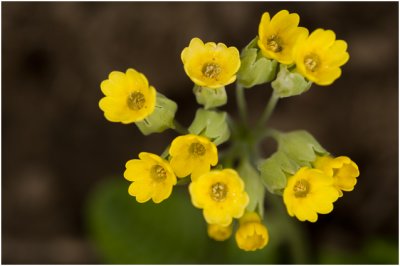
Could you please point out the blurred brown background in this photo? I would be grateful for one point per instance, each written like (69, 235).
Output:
(57, 146)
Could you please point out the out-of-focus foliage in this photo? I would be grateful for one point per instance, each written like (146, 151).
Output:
(374, 251)
(125, 231)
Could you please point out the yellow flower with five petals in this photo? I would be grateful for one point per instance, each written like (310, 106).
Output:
(343, 170)
(192, 154)
(279, 35)
(210, 65)
(152, 178)
(128, 97)
(221, 195)
(252, 233)
(320, 57)
(309, 192)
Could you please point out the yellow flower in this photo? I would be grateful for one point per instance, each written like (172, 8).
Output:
(343, 170)
(320, 56)
(252, 234)
(192, 154)
(129, 98)
(210, 65)
(218, 232)
(221, 195)
(308, 192)
(152, 178)
(279, 35)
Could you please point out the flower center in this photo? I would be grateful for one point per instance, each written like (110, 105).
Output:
(158, 173)
(197, 149)
(301, 188)
(136, 101)
(211, 70)
(218, 191)
(274, 44)
(311, 62)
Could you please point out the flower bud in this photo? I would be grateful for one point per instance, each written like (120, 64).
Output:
(218, 232)
(210, 98)
(161, 118)
(252, 234)
(210, 124)
(255, 69)
(288, 83)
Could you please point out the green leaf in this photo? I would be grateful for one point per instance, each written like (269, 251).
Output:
(300, 146)
(274, 171)
(253, 186)
(211, 124)
(162, 117)
(255, 69)
(289, 83)
(172, 232)
(127, 232)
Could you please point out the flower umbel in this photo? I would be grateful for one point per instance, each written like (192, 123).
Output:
(218, 232)
(279, 35)
(128, 97)
(252, 233)
(210, 65)
(300, 170)
(192, 154)
(320, 57)
(308, 192)
(221, 195)
(152, 178)
(343, 170)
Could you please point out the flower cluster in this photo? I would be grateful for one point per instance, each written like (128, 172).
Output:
(229, 186)
(313, 190)
(317, 56)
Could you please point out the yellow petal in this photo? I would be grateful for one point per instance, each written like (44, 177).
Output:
(140, 191)
(215, 215)
(182, 165)
(337, 55)
(136, 80)
(322, 38)
(327, 77)
(283, 20)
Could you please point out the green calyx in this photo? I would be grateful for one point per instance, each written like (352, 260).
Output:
(255, 69)
(210, 98)
(289, 83)
(162, 117)
(211, 124)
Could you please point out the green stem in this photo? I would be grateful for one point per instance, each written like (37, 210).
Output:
(270, 132)
(165, 152)
(268, 110)
(241, 102)
(183, 181)
(179, 128)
